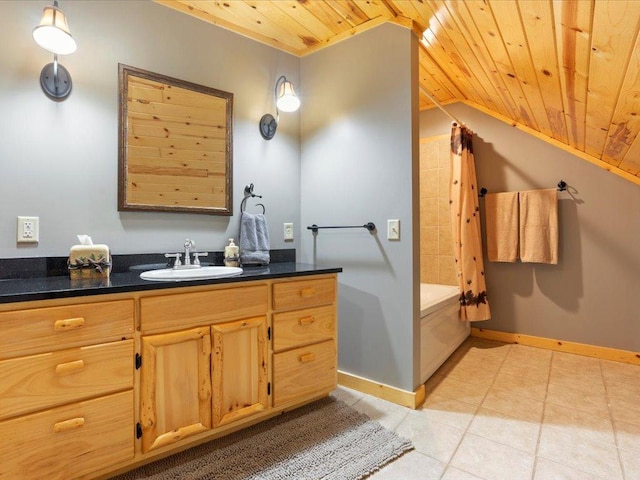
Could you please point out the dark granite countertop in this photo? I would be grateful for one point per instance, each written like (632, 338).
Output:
(51, 287)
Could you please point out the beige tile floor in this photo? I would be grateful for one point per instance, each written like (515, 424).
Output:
(496, 411)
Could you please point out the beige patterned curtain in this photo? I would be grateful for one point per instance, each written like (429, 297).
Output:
(465, 222)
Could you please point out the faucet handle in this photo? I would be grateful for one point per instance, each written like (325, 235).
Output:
(177, 263)
(196, 260)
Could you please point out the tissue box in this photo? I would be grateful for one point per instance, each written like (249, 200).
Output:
(89, 261)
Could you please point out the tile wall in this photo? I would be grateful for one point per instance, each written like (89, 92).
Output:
(436, 243)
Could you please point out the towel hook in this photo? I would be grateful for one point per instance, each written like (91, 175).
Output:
(248, 193)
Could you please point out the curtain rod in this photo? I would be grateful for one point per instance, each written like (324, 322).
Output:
(439, 105)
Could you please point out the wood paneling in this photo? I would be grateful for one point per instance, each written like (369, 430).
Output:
(173, 132)
(567, 69)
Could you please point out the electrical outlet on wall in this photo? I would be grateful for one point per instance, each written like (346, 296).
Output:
(28, 230)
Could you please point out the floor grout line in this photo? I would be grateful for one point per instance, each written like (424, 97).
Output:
(612, 420)
(544, 412)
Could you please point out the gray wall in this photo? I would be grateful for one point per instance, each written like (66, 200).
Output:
(359, 131)
(591, 296)
(58, 161)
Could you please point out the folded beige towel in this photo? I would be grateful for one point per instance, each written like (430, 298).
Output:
(539, 226)
(501, 220)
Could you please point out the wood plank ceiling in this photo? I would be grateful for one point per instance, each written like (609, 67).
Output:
(567, 71)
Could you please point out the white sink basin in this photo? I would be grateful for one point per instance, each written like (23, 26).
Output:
(169, 274)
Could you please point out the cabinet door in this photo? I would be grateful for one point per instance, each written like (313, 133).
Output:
(175, 379)
(239, 369)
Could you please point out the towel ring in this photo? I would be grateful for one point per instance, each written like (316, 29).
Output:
(242, 204)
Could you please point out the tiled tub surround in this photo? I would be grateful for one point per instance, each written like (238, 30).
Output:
(498, 411)
(436, 242)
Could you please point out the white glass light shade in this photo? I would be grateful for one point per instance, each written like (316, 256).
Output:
(287, 100)
(53, 32)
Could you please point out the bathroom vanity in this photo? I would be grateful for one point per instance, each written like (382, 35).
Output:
(99, 378)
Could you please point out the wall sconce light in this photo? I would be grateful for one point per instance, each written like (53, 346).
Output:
(286, 100)
(53, 35)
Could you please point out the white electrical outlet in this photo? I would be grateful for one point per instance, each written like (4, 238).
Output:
(288, 231)
(393, 229)
(28, 230)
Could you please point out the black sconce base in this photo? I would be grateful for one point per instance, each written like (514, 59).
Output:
(268, 126)
(55, 88)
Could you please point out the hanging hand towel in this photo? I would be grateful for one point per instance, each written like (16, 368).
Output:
(501, 221)
(539, 226)
(254, 239)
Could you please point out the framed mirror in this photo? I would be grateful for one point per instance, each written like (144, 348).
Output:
(175, 145)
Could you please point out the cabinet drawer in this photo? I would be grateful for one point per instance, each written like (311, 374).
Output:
(304, 372)
(185, 310)
(302, 327)
(67, 442)
(26, 332)
(51, 379)
(304, 293)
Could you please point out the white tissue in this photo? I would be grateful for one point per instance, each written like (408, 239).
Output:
(85, 240)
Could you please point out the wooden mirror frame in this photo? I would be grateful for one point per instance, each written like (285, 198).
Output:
(188, 129)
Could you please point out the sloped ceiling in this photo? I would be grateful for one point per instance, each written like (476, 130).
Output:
(567, 71)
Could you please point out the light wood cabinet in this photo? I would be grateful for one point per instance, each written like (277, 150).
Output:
(184, 310)
(306, 326)
(304, 372)
(66, 389)
(240, 369)
(205, 377)
(304, 339)
(90, 388)
(29, 331)
(304, 293)
(69, 441)
(175, 386)
(50, 379)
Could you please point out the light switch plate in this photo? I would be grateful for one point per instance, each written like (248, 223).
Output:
(28, 230)
(393, 229)
(288, 231)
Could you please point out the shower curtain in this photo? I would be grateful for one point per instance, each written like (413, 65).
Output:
(465, 223)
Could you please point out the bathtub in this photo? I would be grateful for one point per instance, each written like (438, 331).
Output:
(441, 330)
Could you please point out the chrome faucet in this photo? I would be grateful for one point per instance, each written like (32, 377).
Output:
(189, 245)
(189, 249)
